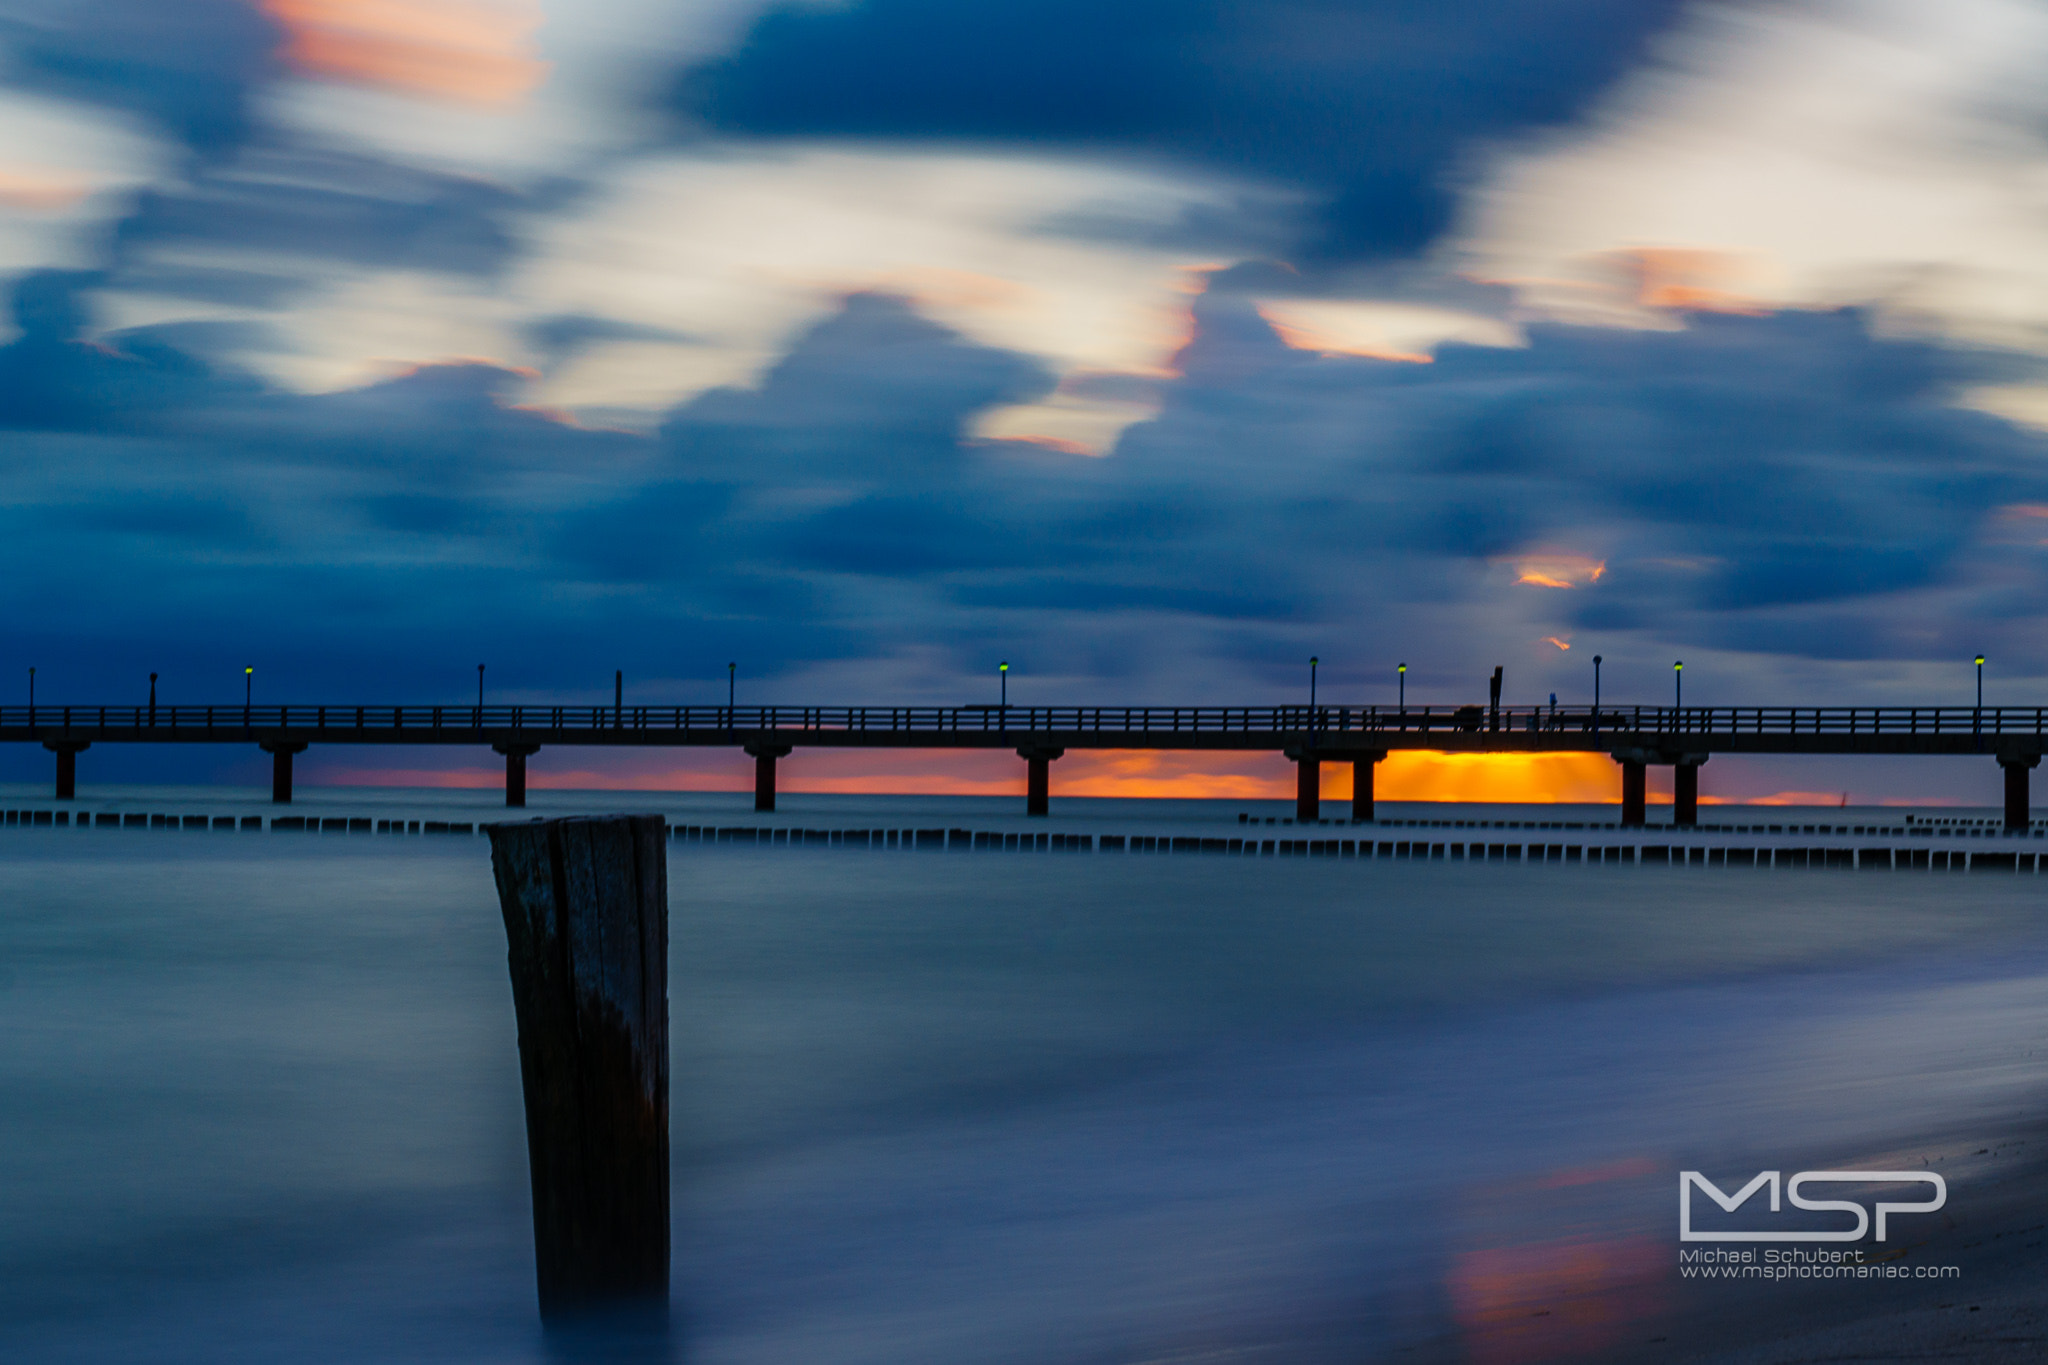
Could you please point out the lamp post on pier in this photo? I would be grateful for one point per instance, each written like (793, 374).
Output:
(1596, 694)
(479, 694)
(1402, 673)
(152, 699)
(1003, 671)
(1313, 661)
(1678, 684)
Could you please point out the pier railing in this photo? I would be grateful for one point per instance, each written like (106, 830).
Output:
(456, 721)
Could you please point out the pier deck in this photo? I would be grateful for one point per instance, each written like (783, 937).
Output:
(1635, 736)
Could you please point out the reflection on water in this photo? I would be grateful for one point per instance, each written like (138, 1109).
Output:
(263, 1097)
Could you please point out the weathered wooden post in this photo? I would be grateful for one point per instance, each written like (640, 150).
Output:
(585, 901)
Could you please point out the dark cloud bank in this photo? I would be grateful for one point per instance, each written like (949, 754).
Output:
(1789, 484)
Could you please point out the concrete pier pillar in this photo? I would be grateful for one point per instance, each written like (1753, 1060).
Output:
(1634, 791)
(515, 770)
(2018, 814)
(764, 756)
(1685, 791)
(67, 751)
(1308, 789)
(1038, 786)
(1362, 769)
(281, 752)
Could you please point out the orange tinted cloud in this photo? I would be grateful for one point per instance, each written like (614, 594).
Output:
(1799, 799)
(1557, 569)
(1670, 277)
(1553, 640)
(1300, 337)
(2019, 523)
(1054, 443)
(38, 191)
(478, 51)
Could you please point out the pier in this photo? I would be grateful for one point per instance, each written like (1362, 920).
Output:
(1635, 737)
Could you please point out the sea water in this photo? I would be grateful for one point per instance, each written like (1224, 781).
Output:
(259, 1094)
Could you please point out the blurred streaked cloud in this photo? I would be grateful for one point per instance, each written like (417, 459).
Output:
(1154, 348)
(476, 50)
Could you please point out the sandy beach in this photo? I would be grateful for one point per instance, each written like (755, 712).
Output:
(1993, 1229)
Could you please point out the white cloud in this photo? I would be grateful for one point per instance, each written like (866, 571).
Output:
(1874, 150)
(744, 248)
(63, 170)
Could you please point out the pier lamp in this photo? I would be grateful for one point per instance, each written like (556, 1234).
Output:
(479, 690)
(731, 676)
(1313, 661)
(1402, 673)
(248, 687)
(1980, 682)
(1678, 684)
(31, 694)
(1003, 671)
(1596, 690)
(152, 699)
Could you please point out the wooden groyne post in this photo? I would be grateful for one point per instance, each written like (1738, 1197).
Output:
(585, 901)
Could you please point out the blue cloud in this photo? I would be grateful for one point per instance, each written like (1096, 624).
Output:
(281, 199)
(190, 68)
(1372, 105)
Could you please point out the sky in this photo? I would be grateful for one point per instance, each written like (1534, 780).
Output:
(1153, 348)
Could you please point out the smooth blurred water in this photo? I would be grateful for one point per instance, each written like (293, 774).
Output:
(262, 1100)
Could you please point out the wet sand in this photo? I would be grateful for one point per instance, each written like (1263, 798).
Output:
(1994, 1228)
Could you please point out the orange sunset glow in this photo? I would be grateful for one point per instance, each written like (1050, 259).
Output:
(476, 51)
(1413, 775)
(1408, 775)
